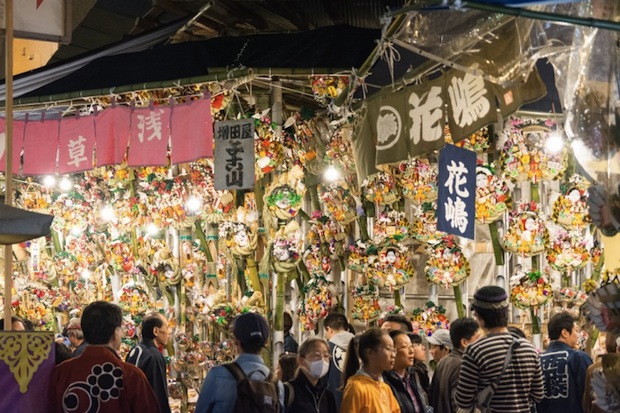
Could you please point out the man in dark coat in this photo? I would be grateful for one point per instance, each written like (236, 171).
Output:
(146, 355)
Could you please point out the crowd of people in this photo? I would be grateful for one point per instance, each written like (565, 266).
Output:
(480, 364)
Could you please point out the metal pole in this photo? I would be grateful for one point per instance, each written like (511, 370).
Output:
(8, 199)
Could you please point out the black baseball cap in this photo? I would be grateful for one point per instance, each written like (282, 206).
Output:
(251, 328)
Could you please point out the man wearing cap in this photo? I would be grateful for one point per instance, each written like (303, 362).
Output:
(522, 383)
(440, 344)
(463, 331)
(219, 391)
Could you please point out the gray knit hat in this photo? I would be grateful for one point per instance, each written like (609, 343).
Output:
(490, 297)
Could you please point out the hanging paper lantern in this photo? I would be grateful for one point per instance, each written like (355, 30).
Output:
(492, 195)
(570, 209)
(530, 289)
(526, 233)
(417, 179)
(447, 265)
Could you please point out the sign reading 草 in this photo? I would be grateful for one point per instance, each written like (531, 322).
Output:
(234, 154)
(456, 206)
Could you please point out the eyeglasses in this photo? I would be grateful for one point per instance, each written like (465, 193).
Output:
(318, 356)
(389, 349)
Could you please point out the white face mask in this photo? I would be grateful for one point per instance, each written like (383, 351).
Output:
(318, 368)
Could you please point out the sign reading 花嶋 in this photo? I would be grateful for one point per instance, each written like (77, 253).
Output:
(234, 154)
(456, 205)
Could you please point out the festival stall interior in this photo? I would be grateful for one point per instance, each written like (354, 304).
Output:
(226, 157)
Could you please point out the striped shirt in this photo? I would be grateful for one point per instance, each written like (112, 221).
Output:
(521, 384)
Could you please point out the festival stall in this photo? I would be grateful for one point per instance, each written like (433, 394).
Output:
(306, 211)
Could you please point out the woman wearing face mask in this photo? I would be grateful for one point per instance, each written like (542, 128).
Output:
(364, 388)
(402, 379)
(307, 392)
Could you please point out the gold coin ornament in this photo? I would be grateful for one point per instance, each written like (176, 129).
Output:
(524, 156)
(447, 266)
(417, 179)
(492, 195)
(381, 188)
(283, 198)
(570, 209)
(526, 233)
(567, 250)
(530, 289)
(340, 202)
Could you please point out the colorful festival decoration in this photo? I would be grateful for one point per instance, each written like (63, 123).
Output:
(340, 202)
(526, 233)
(284, 196)
(492, 195)
(570, 209)
(425, 320)
(567, 250)
(381, 188)
(417, 179)
(447, 265)
(530, 289)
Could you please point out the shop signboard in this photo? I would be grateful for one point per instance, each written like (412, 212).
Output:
(234, 154)
(48, 20)
(456, 204)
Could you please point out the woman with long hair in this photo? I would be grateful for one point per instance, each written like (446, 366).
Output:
(401, 378)
(308, 391)
(368, 356)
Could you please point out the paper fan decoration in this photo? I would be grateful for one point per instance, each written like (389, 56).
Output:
(283, 197)
(530, 289)
(476, 142)
(492, 195)
(567, 250)
(365, 305)
(286, 248)
(391, 226)
(392, 268)
(570, 209)
(417, 179)
(339, 202)
(523, 153)
(526, 233)
(426, 320)
(381, 188)
(446, 265)
(268, 148)
(424, 223)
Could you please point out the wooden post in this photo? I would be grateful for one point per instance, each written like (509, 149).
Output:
(8, 70)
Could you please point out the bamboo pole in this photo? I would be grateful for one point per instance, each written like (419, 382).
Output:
(8, 68)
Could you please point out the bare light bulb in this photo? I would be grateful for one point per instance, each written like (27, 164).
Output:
(66, 185)
(554, 143)
(331, 174)
(152, 229)
(49, 181)
(194, 204)
(108, 214)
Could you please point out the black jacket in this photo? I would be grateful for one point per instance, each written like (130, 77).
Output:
(401, 393)
(309, 399)
(148, 359)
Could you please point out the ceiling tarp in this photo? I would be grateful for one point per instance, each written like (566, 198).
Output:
(329, 47)
(18, 225)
